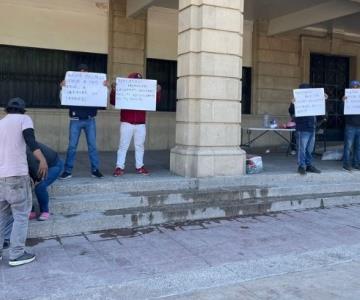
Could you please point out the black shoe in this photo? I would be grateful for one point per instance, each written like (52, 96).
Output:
(97, 174)
(347, 168)
(22, 260)
(301, 171)
(356, 168)
(65, 175)
(312, 169)
(6, 244)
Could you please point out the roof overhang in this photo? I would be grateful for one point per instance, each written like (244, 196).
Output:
(135, 7)
(313, 15)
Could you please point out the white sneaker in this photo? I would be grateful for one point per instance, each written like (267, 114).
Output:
(22, 260)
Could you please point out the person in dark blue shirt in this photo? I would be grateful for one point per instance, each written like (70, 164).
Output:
(305, 138)
(352, 137)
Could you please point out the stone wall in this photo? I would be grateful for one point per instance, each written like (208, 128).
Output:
(126, 54)
(126, 41)
(282, 62)
(276, 72)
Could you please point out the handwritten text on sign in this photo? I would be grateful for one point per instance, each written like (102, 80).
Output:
(135, 94)
(84, 89)
(352, 102)
(309, 102)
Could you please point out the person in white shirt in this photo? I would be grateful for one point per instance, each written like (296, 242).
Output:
(17, 132)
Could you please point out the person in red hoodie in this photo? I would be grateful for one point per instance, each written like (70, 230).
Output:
(132, 125)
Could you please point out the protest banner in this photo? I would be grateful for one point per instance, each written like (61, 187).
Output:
(352, 102)
(135, 94)
(84, 89)
(309, 102)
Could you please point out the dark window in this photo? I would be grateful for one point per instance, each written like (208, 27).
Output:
(246, 91)
(34, 74)
(332, 74)
(165, 72)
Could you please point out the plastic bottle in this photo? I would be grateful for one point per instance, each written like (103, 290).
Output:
(266, 120)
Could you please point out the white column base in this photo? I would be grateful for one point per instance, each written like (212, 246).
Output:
(199, 162)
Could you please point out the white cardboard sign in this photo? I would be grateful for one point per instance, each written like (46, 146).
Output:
(84, 89)
(352, 102)
(135, 94)
(309, 102)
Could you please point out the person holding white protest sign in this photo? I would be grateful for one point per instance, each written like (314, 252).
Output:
(132, 125)
(305, 138)
(82, 118)
(351, 136)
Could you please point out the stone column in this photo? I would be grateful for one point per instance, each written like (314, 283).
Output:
(126, 41)
(208, 117)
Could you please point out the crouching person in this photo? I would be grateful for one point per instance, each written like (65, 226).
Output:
(56, 166)
(16, 132)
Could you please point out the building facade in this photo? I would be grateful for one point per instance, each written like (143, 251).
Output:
(223, 65)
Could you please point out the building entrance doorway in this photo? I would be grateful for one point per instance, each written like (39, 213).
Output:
(331, 73)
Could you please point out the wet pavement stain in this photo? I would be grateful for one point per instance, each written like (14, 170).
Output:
(70, 216)
(34, 241)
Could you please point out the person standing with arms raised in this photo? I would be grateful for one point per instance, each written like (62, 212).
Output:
(352, 137)
(81, 118)
(133, 124)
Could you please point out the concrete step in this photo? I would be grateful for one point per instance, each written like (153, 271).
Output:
(135, 183)
(77, 186)
(68, 205)
(83, 205)
(220, 205)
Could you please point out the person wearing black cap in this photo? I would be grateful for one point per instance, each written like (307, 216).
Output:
(17, 132)
(81, 118)
(305, 138)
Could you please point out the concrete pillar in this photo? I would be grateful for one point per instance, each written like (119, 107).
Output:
(208, 117)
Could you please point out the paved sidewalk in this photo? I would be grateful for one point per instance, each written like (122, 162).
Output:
(311, 254)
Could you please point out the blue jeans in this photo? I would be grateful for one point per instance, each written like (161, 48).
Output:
(89, 126)
(352, 139)
(41, 188)
(41, 193)
(305, 143)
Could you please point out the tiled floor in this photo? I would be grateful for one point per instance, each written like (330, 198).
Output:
(111, 258)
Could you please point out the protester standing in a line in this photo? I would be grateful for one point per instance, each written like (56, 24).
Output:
(132, 125)
(305, 139)
(17, 132)
(82, 118)
(352, 137)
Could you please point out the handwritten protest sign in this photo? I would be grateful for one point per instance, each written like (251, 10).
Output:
(84, 89)
(352, 102)
(135, 94)
(309, 102)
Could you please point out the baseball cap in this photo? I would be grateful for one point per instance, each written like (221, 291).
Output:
(83, 67)
(354, 83)
(16, 103)
(304, 86)
(135, 75)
